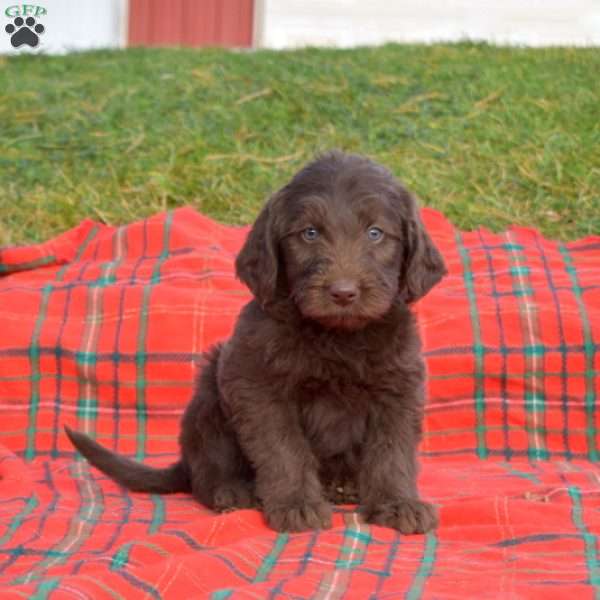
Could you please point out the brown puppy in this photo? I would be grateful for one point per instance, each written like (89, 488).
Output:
(319, 393)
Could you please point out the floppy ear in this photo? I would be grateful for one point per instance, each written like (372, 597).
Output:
(423, 265)
(257, 262)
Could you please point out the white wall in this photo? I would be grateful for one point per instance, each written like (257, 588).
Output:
(71, 25)
(85, 24)
(292, 23)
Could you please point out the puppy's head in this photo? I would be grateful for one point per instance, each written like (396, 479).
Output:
(342, 239)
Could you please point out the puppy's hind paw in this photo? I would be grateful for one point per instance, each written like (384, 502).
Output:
(407, 515)
(233, 495)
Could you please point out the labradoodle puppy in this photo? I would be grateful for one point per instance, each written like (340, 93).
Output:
(318, 395)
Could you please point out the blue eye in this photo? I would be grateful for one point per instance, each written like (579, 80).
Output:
(310, 234)
(375, 234)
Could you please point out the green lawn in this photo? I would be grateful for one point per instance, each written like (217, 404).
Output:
(490, 136)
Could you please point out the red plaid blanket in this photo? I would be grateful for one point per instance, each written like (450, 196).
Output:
(100, 327)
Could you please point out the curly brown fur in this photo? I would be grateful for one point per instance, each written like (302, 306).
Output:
(318, 395)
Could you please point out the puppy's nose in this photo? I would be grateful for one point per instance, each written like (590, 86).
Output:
(343, 292)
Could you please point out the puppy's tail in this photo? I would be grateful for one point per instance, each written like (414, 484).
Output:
(129, 473)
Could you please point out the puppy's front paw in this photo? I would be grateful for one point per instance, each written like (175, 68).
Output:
(407, 515)
(301, 515)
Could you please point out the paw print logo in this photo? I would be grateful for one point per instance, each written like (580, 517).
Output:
(24, 32)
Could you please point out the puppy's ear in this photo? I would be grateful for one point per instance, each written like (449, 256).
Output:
(423, 265)
(257, 263)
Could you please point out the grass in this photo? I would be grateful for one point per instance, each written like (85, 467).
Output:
(491, 136)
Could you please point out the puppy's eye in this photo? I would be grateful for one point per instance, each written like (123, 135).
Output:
(310, 234)
(375, 234)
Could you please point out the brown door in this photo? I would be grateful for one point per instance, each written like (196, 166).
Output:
(191, 23)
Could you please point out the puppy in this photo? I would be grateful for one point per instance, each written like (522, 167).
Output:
(318, 395)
